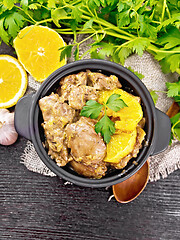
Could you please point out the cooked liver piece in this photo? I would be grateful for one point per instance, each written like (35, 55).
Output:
(79, 95)
(87, 147)
(102, 82)
(68, 82)
(75, 91)
(56, 115)
(89, 171)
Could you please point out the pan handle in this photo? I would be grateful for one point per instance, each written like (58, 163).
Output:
(22, 116)
(163, 132)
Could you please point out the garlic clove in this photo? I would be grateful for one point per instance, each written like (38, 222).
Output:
(8, 134)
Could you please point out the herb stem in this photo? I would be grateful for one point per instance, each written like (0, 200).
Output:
(154, 49)
(40, 5)
(84, 40)
(106, 24)
(34, 21)
(153, 21)
(163, 10)
(28, 20)
(167, 10)
(44, 21)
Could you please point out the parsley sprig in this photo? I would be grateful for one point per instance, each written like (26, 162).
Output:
(104, 126)
(118, 27)
(175, 129)
(173, 91)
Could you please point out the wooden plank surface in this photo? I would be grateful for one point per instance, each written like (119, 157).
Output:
(33, 206)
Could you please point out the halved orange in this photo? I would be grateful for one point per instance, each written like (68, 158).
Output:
(13, 81)
(37, 48)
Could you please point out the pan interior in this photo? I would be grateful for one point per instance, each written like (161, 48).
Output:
(128, 85)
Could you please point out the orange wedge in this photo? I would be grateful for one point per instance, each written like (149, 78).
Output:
(13, 81)
(37, 48)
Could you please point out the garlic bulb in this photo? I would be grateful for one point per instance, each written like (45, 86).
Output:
(8, 134)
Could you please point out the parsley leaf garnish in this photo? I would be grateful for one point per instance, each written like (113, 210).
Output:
(115, 103)
(104, 126)
(92, 109)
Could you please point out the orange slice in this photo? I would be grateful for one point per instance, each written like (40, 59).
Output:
(120, 146)
(128, 116)
(13, 81)
(37, 48)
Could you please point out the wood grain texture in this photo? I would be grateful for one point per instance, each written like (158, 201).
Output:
(36, 207)
(33, 206)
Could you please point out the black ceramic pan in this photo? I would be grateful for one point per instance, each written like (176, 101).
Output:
(28, 119)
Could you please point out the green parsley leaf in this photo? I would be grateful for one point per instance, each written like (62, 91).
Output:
(88, 24)
(13, 22)
(175, 18)
(138, 45)
(33, 6)
(154, 96)
(175, 118)
(170, 62)
(76, 53)
(94, 3)
(3, 34)
(121, 55)
(139, 75)
(24, 4)
(123, 19)
(51, 3)
(170, 39)
(120, 6)
(146, 29)
(115, 103)
(106, 49)
(175, 121)
(173, 89)
(112, 2)
(76, 14)
(92, 109)
(95, 54)
(58, 14)
(8, 3)
(106, 127)
(2, 9)
(65, 51)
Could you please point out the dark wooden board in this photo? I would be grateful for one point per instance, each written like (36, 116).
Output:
(33, 206)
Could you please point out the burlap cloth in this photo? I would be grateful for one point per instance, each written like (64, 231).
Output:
(162, 164)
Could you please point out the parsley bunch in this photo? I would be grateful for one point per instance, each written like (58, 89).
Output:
(104, 126)
(118, 27)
